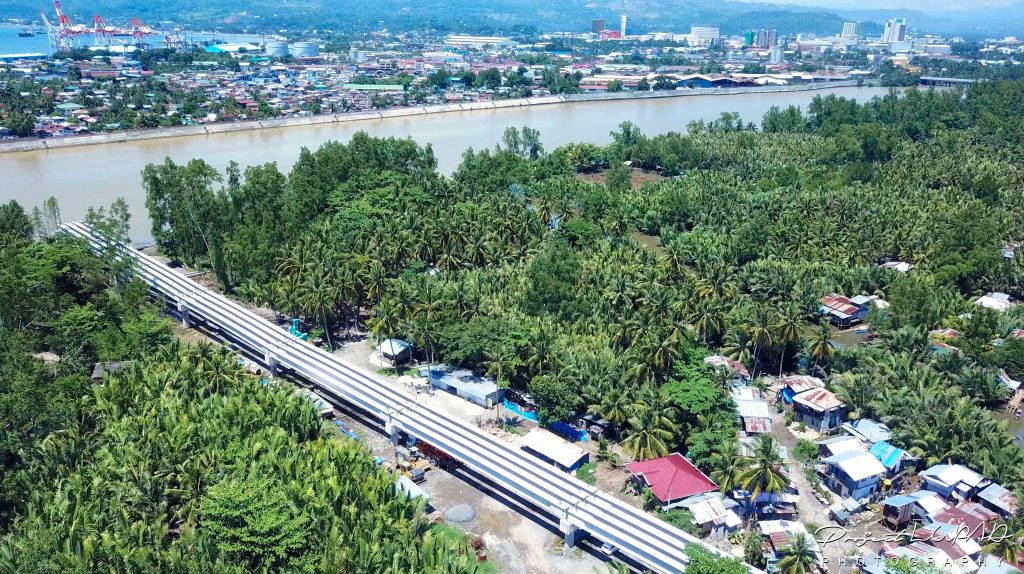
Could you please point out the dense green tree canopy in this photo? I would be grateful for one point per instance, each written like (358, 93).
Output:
(555, 273)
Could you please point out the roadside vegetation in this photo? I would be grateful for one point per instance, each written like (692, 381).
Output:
(180, 461)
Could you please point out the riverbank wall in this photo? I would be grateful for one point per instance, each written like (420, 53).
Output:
(28, 144)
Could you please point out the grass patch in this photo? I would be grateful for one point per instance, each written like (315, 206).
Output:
(587, 473)
(455, 537)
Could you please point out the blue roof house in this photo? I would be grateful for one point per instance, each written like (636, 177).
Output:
(854, 474)
(895, 460)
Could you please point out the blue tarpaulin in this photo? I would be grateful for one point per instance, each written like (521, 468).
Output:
(568, 431)
(887, 454)
(526, 414)
(787, 395)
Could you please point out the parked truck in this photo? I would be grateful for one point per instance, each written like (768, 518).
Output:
(436, 456)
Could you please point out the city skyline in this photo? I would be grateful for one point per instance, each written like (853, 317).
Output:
(928, 6)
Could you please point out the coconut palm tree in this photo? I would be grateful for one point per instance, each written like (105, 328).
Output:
(819, 345)
(788, 327)
(767, 472)
(649, 433)
(728, 466)
(739, 347)
(799, 557)
(319, 300)
(614, 407)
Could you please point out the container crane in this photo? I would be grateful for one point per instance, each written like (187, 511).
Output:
(65, 35)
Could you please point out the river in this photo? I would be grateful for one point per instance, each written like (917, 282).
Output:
(85, 176)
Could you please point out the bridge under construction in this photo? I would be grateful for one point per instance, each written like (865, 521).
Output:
(579, 508)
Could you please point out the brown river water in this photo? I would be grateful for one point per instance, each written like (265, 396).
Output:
(96, 175)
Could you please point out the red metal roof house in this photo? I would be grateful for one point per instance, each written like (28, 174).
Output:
(671, 479)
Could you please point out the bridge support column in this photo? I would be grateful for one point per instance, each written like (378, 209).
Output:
(183, 311)
(393, 430)
(571, 534)
(271, 362)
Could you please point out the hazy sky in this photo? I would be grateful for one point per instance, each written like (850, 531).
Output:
(923, 5)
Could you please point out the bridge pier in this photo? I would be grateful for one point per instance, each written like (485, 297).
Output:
(392, 429)
(183, 311)
(571, 534)
(270, 361)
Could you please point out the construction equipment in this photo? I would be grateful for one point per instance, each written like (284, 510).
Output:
(436, 456)
(414, 459)
(413, 474)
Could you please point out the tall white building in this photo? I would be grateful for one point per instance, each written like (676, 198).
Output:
(895, 30)
(851, 29)
(622, 29)
(704, 35)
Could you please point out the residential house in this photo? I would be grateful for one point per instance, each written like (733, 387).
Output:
(973, 519)
(396, 351)
(920, 553)
(844, 311)
(596, 426)
(753, 414)
(998, 499)
(952, 480)
(101, 369)
(922, 506)
(996, 301)
(952, 541)
(868, 431)
(714, 513)
(1010, 250)
(672, 479)
(839, 445)
(725, 365)
(793, 385)
(554, 450)
(853, 474)
(780, 535)
(483, 391)
(819, 409)
(900, 266)
(1006, 379)
(895, 460)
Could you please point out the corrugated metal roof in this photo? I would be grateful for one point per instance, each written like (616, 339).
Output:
(887, 454)
(672, 477)
(801, 383)
(819, 399)
(757, 425)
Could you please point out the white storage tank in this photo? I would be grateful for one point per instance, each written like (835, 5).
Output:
(276, 48)
(306, 49)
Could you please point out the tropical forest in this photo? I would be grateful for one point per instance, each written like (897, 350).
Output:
(588, 278)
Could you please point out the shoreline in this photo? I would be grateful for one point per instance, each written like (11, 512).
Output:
(28, 144)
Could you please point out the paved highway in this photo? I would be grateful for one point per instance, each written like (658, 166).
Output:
(577, 505)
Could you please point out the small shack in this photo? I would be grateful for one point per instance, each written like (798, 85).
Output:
(483, 391)
(596, 426)
(550, 448)
(396, 351)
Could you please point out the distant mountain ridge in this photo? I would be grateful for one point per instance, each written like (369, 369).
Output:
(515, 16)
